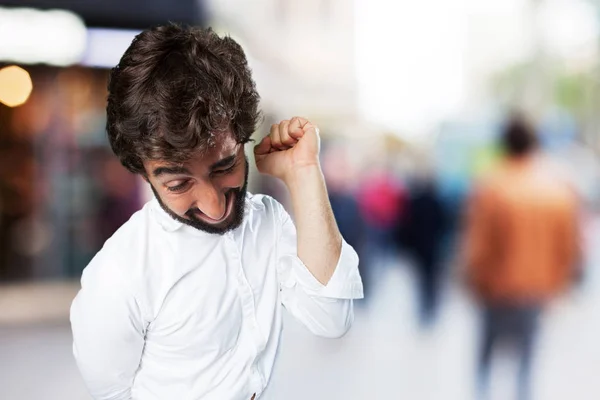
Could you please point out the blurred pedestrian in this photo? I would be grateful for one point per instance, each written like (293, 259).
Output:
(422, 234)
(340, 177)
(381, 201)
(521, 248)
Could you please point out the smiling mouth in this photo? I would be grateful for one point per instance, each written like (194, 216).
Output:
(230, 198)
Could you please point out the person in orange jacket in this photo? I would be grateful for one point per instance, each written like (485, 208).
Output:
(522, 246)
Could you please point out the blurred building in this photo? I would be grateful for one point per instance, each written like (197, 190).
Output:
(62, 192)
(302, 53)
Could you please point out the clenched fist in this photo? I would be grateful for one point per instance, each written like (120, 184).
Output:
(289, 147)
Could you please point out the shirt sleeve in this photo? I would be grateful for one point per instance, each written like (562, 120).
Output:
(326, 310)
(108, 332)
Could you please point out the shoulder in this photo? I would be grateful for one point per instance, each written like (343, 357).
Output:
(264, 205)
(494, 181)
(120, 255)
(257, 200)
(129, 264)
(264, 214)
(130, 237)
(484, 184)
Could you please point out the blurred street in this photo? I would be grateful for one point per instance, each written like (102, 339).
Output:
(460, 146)
(384, 356)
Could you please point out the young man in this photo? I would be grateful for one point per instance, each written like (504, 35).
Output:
(522, 248)
(184, 301)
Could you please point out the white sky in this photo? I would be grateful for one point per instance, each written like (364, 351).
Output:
(417, 61)
(409, 59)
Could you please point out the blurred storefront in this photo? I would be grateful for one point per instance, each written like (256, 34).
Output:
(62, 192)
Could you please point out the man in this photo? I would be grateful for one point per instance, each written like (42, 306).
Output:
(184, 301)
(422, 234)
(522, 247)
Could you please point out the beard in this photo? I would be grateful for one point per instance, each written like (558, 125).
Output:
(234, 220)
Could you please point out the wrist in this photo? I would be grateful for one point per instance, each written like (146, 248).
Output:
(302, 173)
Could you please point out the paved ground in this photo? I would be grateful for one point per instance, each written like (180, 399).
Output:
(385, 356)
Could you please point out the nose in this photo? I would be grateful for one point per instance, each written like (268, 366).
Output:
(211, 201)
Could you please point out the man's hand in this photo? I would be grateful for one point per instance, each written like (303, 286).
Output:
(291, 152)
(290, 146)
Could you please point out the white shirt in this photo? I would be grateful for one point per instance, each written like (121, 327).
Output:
(170, 312)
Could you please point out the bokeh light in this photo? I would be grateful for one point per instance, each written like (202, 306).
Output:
(15, 86)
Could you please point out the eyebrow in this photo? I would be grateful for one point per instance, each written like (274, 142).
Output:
(174, 170)
(225, 162)
(178, 170)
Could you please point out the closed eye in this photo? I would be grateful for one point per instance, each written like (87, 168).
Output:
(179, 188)
(224, 171)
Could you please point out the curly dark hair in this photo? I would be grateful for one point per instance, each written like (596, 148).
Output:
(174, 89)
(518, 137)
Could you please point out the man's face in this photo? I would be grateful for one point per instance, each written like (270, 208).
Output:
(208, 192)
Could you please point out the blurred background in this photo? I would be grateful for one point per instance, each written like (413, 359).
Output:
(411, 98)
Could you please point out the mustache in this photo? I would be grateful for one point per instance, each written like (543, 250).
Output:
(195, 210)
